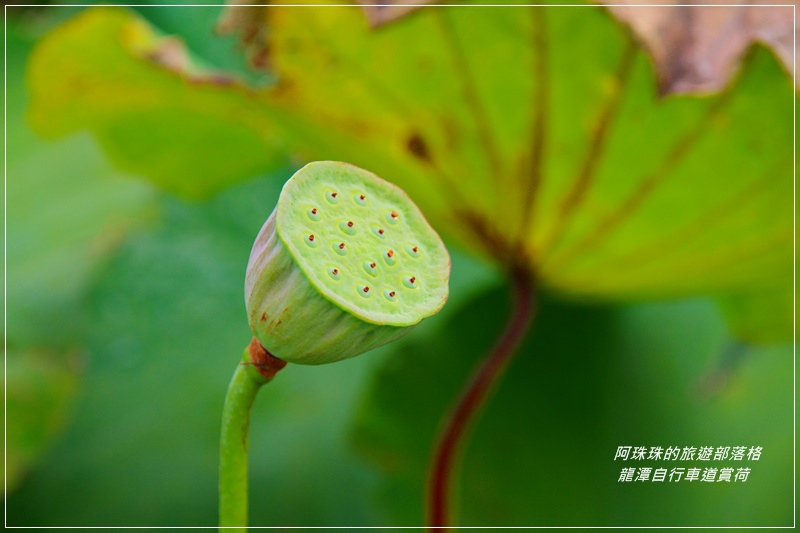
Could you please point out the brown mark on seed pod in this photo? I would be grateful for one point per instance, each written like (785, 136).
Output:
(264, 316)
(267, 364)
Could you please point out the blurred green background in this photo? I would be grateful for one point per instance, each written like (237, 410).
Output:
(138, 177)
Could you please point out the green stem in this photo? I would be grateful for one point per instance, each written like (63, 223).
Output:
(250, 375)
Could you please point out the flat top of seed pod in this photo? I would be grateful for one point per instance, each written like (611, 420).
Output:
(363, 244)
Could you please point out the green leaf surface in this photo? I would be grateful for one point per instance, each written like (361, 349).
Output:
(763, 317)
(67, 209)
(190, 130)
(40, 387)
(587, 380)
(562, 156)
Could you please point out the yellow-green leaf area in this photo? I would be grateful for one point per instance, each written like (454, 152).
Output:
(189, 130)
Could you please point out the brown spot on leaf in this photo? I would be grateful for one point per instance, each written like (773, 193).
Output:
(418, 147)
(264, 317)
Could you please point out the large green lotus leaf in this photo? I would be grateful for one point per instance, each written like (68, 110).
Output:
(587, 380)
(190, 130)
(533, 136)
(631, 195)
(40, 387)
(541, 131)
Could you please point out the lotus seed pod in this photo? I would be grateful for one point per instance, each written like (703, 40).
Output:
(345, 263)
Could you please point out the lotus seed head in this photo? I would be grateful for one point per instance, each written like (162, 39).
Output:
(317, 225)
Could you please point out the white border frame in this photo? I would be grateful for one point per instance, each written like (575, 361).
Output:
(794, 250)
